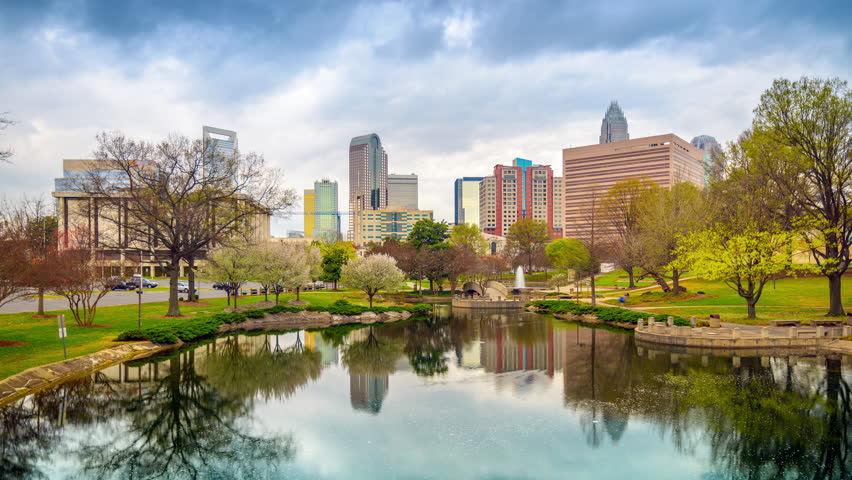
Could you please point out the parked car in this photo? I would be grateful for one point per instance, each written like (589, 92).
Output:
(223, 286)
(119, 284)
(183, 287)
(134, 283)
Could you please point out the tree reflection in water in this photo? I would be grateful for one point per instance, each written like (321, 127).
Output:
(183, 427)
(371, 355)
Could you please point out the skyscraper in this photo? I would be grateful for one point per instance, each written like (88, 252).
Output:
(517, 191)
(711, 150)
(219, 144)
(326, 214)
(368, 176)
(402, 191)
(310, 212)
(614, 125)
(467, 200)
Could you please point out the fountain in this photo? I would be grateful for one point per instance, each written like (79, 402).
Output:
(519, 278)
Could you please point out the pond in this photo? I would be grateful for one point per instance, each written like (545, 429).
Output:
(463, 396)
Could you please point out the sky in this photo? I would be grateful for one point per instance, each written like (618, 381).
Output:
(452, 88)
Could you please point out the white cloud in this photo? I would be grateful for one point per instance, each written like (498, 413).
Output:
(459, 30)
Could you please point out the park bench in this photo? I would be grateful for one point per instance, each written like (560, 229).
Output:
(825, 322)
(785, 323)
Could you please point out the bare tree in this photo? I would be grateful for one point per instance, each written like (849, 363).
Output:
(620, 211)
(179, 198)
(83, 281)
(12, 280)
(5, 155)
(37, 228)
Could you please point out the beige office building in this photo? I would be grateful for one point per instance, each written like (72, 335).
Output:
(97, 222)
(590, 171)
(374, 226)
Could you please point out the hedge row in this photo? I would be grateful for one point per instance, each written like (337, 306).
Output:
(607, 314)
(197, 328)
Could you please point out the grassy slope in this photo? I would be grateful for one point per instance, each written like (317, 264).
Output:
(794, 298)
(42, 344)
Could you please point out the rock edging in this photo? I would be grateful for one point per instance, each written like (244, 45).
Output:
(40, 378)
(589, 319)
(43, 377)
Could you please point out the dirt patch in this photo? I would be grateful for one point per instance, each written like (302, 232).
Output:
(261, 304)
(298, 302)
(10, 343)
(195, 304)
(93, 326)
(43, 316)
(173, 318)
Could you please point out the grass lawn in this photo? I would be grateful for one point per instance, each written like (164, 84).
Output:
(41, 344)
(789, 298)
(618, 278)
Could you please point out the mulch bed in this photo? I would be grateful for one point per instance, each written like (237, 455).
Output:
(10, 343)
(43, 316)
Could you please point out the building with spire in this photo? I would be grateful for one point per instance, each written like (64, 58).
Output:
(711, 150)
(614, 125)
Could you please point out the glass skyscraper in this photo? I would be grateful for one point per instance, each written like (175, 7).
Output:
(711, 150)
(614, 125)
(220, 145)
(368, 176)
(467, 200)
(326, 214)
(402, 191)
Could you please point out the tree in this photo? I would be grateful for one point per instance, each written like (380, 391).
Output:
(12, 243)
(334, 257)
(428, 233)
(231, 265)
(526, 239)
(665, 216)
(371, 274)
(82, 281)
(559, 280)
(301, 264)
(572, 254)
(269, 262)
(39, 233)
(622, 216)
(468, 235)
(744, 260)
(808, 125)
(460, 260)
(178, 198)
(5, 155)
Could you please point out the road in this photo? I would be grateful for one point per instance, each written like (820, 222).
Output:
(113, 298)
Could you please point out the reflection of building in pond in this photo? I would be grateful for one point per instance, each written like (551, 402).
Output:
(367, 392)
(330, 355)
(471, 355)
(510, 348)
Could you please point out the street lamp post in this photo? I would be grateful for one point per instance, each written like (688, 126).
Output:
(139, 293)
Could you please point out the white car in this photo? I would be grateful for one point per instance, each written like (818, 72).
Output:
(182, 287)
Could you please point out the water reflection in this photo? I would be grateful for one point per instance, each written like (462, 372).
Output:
(195, 413)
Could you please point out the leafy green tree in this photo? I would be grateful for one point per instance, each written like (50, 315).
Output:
(371, 274)
(334, 257)
(559, 280)
(526, 240)
(620, 210)
(807, 125)
(572, 254)
(429, 233)
(744, 260)
(468, 235)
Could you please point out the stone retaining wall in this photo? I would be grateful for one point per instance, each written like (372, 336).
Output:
(488, 304)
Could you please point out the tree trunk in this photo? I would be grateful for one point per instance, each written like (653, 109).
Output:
(236, 293)
(265, 293)
(191, 295)
(174, 272)
(676, 282)
(835, 308)
(371, 299)
(592, 284)
(40, 301)
(431, 287)
(277, 292)
(631, 278)
(661, 281)
(298, 290)
(752, 311)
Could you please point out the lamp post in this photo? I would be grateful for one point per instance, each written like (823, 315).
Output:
(139, 294)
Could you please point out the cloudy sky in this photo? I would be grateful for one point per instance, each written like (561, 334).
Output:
(452, 88)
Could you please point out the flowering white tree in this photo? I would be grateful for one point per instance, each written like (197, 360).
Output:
(301, 264)
(371, 274)
(231, 265)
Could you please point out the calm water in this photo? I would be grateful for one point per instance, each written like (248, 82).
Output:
(469, 397)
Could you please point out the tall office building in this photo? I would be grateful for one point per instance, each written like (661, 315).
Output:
(368, 176)
(326, 213)
(558, 205)
(590, 171)
(310, 212)
(374, 226)
(467, 200)
(711, 150)
(219, 144)
(517, 191)
(402, 191)
(614, 125)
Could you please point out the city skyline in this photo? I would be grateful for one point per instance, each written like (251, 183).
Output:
(454, 94)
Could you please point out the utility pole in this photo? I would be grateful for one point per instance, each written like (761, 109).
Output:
(139, 294)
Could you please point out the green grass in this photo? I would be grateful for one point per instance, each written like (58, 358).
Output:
(618, 278)
(41, 344)
(789, 298)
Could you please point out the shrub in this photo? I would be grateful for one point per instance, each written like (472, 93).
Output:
(607, 314)
(194, 329)
(702, 323)
(420, 308)
(285, 308)
(160, 335)
(254, 313)
(131, 335)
